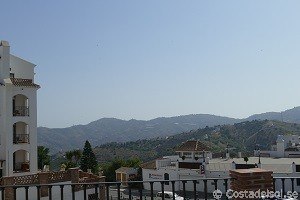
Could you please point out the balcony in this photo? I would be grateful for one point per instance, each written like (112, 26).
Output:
(20, 167)
(21, 139)
(21, 111)
(20, 133)
(20, 105)
(21, 161)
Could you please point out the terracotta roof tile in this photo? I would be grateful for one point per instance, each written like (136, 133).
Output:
(149, 165)
(124, 169)
(23, 82)
(194, 145)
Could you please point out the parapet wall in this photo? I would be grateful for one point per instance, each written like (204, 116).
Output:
(73, 175)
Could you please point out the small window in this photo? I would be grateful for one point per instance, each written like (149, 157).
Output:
(298, 181)
(166, 177)
(12, 75)
(187, 154)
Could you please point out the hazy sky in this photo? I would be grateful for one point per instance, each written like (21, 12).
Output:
(146, 59)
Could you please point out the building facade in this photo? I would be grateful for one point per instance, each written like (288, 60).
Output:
(194, 161)
(18, 115)
(287, 146)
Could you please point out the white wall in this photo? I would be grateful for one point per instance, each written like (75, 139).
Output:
(21, 68)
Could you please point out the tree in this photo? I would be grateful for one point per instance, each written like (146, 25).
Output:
(88, 159)
(43, 156)
(77, 154)
(138, 177)
(73, 157)
(110, 167)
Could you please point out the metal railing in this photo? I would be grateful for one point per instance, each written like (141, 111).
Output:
(21, 138)
(21, 166)
(104, 190)
(21, 111)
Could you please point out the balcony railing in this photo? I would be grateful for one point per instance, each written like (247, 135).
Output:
(21, 138)
(21, 111)
(113, 190)
(21, 167)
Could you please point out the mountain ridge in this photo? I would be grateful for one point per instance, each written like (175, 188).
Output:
(107, 130)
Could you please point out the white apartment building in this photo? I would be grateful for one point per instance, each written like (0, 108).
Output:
(18, 115)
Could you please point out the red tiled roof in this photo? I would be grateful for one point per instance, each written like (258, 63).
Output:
(149, 165)
(193, 145)
(124, 169)
(23, 82)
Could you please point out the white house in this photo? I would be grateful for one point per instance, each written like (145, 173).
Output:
(18, 115)
(287, 146)
(124, 174)
(188, 164)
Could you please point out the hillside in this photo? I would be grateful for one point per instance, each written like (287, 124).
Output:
(290, 116)
(244, 137)
(115, 130)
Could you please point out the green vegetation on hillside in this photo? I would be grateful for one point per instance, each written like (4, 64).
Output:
(244, 137)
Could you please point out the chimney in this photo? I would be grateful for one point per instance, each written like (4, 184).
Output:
(227, 155)
(251, 180)
(4, 59)
(239, 154)
(207, 160)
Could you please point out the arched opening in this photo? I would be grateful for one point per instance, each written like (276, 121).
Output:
(20, 105)
(21, 161)
(20, 133)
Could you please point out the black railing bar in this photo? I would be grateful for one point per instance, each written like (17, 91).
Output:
(61, 192)
(184, 191)
(15, 193)
(50, 192)
(119, 191)
(107, 191)
(73, 192)
(84, 192)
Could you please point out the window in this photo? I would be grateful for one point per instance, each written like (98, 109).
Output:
(298, 181)
(187, 154)
(167, 177)
(297, 168)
